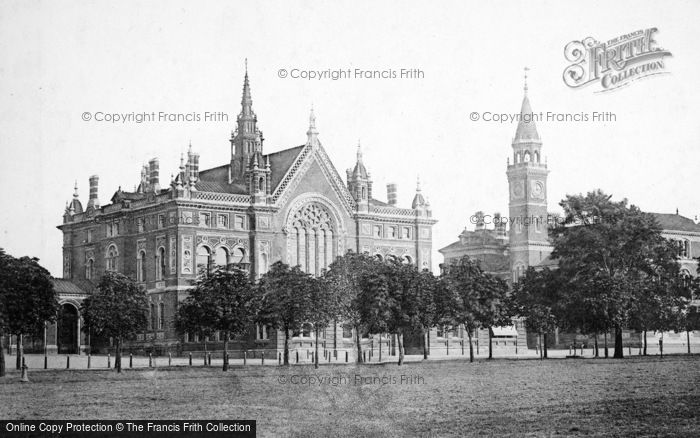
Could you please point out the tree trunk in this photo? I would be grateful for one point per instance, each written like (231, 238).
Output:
(605, 338)
(399, 339)
(687, 338)
(471, 347)
(618, 344)
(544, 347)
(380, 348)
(118, 359)
(595, 343)
(2, 356)
(316, 342)
(225, 367)
(286, 346)
(645, 342)
(358, 341)
(428, 342)
(490, 344)
(425, 345)
(20, 351)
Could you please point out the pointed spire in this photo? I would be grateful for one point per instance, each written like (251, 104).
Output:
(267, 163)
(527, 130)
(418, 184)
(359, 151)
(246, 100)
(75, 190)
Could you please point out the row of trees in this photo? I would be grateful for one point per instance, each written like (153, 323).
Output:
(372, 296)
(615, 271)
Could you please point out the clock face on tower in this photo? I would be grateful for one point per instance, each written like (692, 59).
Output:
(537, 189)
(517, 189)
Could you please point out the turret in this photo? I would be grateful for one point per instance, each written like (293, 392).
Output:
(360, 182)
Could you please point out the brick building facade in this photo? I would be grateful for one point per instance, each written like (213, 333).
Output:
(290, 205)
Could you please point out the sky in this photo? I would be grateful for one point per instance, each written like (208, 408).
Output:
(60, 60)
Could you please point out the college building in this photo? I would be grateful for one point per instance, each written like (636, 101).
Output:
(289, 205)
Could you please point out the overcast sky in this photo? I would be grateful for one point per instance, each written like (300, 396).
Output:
(61, 59)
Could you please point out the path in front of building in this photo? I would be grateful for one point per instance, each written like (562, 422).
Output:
(36, 362)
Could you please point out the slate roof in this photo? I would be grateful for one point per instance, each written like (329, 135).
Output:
(676, 222)
(216, 179)
(81, 287)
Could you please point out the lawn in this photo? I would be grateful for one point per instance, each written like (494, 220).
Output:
(631, 397)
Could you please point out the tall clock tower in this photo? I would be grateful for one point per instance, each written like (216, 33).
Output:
(527, 180)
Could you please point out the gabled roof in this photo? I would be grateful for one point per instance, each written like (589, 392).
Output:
(75, 287)
(676, 222)
(280, 162)
(216, 179)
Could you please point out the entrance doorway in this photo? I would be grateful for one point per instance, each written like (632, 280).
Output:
(68, 329)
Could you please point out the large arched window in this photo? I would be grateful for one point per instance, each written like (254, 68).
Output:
(90, 269)
(221, 257)
(160, 264)
(311, 235)
(203, 259)
(238, 256)
(112, 256)
(141, 266)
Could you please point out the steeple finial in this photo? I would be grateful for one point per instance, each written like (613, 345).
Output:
(418, 183)
(312, 133)
(359, 151)
(75, 190)
(525, 86)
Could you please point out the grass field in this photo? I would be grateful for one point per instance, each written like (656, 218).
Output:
(631, 397)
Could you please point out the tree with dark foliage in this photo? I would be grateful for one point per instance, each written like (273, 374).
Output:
(27, 300)
(117, 309)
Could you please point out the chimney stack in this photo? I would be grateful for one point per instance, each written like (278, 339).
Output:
(153, 175)
(479, 215)
(93, 201)
(391, 194)
(499, 224)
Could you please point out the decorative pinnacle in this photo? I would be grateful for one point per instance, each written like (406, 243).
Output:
(75, 190)
(359, 151)
(312, 132)
(418, 184)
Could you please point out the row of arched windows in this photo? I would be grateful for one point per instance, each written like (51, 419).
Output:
(160, 265)
(526, 157)
(683, 248)
(208, 260)
(406, 259)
